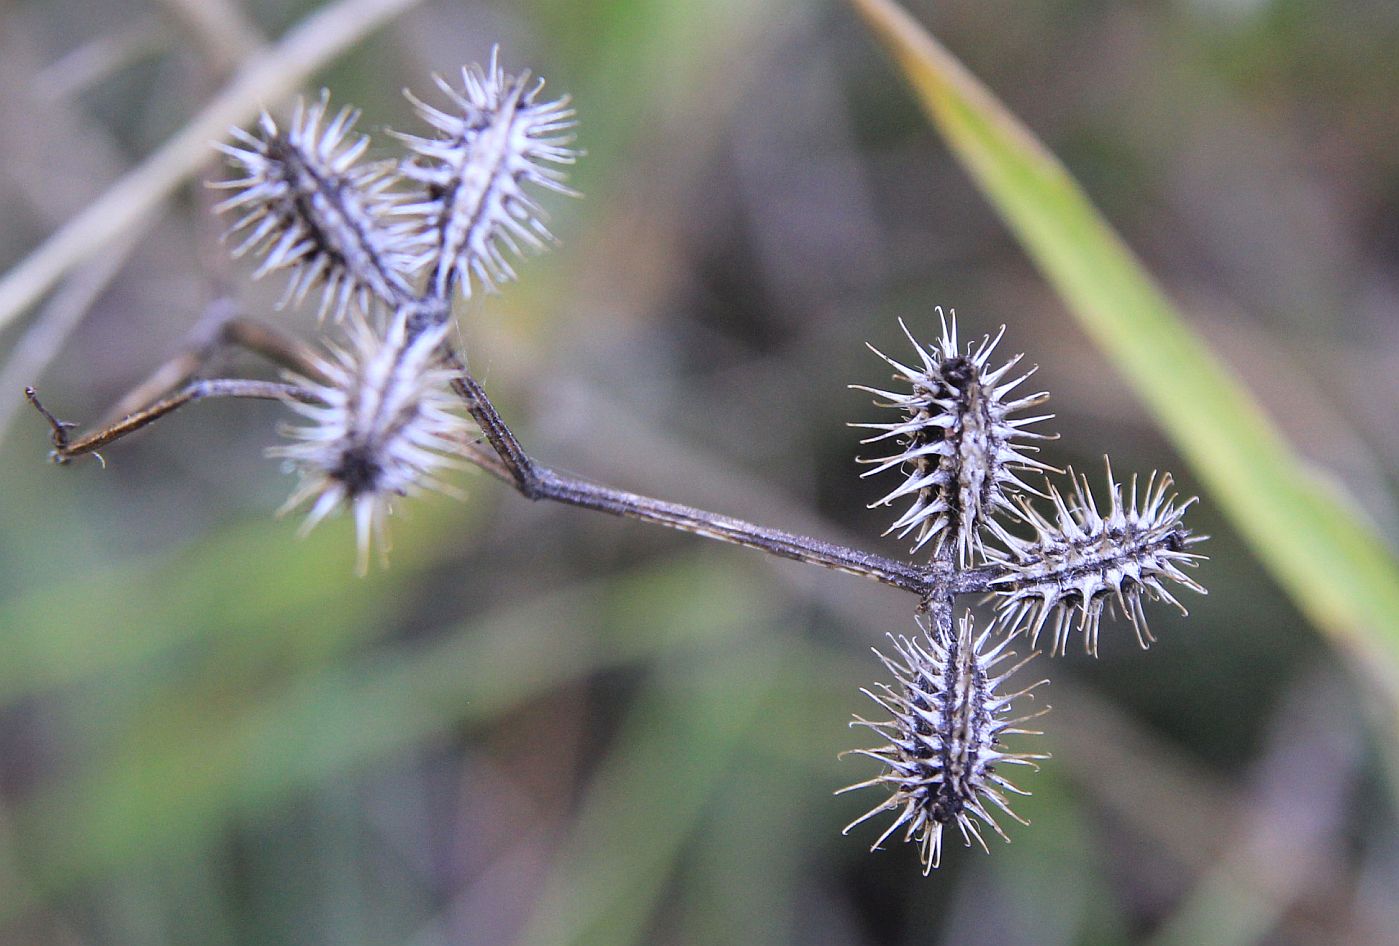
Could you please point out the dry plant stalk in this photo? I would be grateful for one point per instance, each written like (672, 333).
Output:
(387, 404)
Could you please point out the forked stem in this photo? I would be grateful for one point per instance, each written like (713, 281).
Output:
(506, 458)
(936, 580)
(65, 449)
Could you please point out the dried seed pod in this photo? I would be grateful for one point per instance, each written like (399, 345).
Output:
(948, 715)
(958, 445)
(1082, 561)
(306, 204)
(495, 137)
(386, 421)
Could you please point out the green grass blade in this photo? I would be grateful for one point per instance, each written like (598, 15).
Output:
(1306, 533)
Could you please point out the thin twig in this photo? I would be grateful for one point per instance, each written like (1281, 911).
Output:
(44, 338)
(575, 492)
(150, 400)
(65, 450)
(220, 327)
(279, 347)
(201, 343)
(935, 581)
(524, 473)
(535, 481)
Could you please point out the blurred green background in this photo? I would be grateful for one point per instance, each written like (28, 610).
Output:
(544, 726)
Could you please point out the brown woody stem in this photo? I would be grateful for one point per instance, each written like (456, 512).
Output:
(65, 449)
(937, 580)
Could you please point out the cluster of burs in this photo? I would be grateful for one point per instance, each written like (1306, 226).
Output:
(960, 450)
(386, 405)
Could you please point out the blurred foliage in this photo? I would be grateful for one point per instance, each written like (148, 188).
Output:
(540, 725)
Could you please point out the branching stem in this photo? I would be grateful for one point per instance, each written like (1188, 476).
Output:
(937, 580)
(65, 450)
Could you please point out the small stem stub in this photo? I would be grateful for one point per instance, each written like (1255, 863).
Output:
(58, 429)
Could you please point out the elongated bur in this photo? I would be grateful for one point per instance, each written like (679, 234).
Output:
(957, 447)
(306, 203)
(943, 758)
(1081, 561)
(474, 212)
(384, 423)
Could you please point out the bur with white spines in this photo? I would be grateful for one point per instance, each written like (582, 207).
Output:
(309, 204)
(959, 448)
(384, 423)
(944, 752)
(383, 419)
(1080, 562)
(472, 209)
